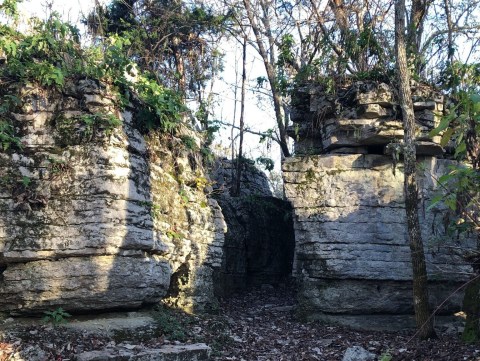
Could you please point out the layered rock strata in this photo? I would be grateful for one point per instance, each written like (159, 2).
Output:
(362, 117)
(352, 254)
(259, 243)
(95, 215)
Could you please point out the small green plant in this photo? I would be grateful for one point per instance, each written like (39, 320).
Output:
(106, 122)
(189, 142)
(57, 166)
(386, 356)
(170, 323)
(7, 136)
(155, 209)
(174, 235)
(87, 127)
(184, 196)
(57, 316)
(26, 181)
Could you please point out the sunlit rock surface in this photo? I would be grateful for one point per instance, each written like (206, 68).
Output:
(352, 254)
(99, 217)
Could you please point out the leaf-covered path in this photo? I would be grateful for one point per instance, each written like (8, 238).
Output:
(263, 326)
(259, 325)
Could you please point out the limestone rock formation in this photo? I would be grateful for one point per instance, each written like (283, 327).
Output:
(259, 243)
(352, 254)
(362, 117)
(96, 215)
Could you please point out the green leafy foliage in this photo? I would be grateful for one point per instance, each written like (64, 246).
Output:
(170, 323)
(167, 38)
(459, 192)
(87, 127)
(266, 162)
(9, 8)
(386, 356)
(51, 53)
(162, 108)
(461, 126)
(57, 316)
(7, 136)
(48, 54)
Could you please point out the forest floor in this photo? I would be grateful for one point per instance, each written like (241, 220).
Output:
(254, 326)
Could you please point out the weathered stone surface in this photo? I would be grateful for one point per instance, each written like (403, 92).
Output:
(361, 114)
(358, 353)
(193, 352)
(352, 253)
(253, 182)
(96, 219)
(364, 297)
(259, 243)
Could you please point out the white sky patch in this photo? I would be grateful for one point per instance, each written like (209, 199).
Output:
(69, 10)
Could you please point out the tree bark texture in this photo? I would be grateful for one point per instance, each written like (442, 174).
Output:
(423, 317)
(471, 306)
(238, 179)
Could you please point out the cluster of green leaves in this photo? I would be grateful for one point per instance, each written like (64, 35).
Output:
(167, 38)
(173, 324)
(161, 108)
(51, 53)
(154, 209)
(9, 8)
(48, 54)
(461, 185)
(461, 122)
(86, 127)
(8, 138)
(266, 162)
(57, 316)
(460, 194)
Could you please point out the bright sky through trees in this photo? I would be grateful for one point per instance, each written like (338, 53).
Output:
(259, 116)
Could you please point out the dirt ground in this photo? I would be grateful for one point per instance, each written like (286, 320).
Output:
(258, 325)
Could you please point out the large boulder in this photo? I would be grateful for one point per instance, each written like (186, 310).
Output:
(96, 215)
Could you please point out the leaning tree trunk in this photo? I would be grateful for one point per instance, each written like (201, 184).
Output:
(420, 291)
(471, 306)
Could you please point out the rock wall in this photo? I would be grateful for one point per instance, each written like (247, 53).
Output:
(361, 118)
(352, 254)
(95, 216)
(259, 243)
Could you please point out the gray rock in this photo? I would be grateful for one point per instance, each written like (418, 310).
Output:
(364, 114)
(94, 220)
(351, 253)
(357, 353)
(259, 243)
(193, 352)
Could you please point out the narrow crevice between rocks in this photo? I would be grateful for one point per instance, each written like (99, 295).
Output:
(3, 267)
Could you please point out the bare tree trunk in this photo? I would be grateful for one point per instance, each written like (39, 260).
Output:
(418, 14)
(242, 120)
(420, 291)
(180, 67)
(471, 305)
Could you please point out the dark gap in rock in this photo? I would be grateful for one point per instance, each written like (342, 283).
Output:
(178, 280)
(376, 149)
(259, 244)
(3, 267)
